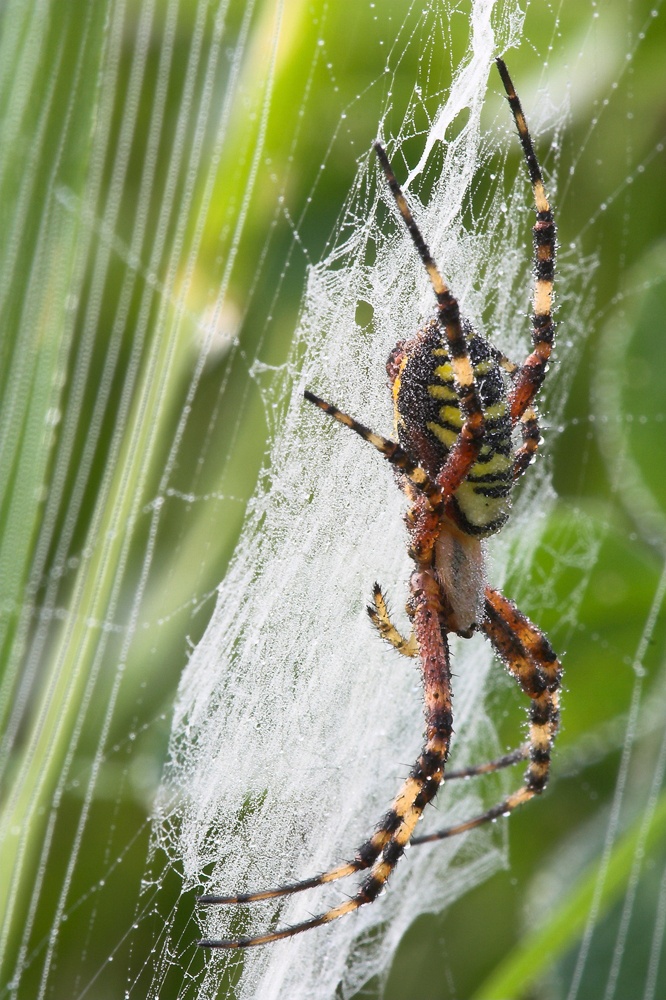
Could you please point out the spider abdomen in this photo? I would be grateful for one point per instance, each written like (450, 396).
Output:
(429, 420)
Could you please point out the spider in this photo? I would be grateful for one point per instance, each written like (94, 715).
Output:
(457, 400)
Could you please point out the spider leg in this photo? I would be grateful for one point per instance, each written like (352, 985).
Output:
(380, 618)
(284, 890)
(532, 373)
(389, 449)
(529, 423)
(507, 364)
(531, 435)
(530, 659)
(448, 313)
(365, 856)
(501, 809)
(396, 829)
(490, 766)
(459, 461)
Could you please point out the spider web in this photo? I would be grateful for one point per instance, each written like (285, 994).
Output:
(155, 247)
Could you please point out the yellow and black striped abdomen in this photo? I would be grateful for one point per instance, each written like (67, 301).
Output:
(429, 420)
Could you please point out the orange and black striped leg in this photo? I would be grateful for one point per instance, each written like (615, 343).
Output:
(381, 619)
(459, 461)
(532, 640)
(532, 373)
(529, 657)
(397, 827)
(391, 450)
(366, 855)
(342, 871)
(531, 435)
(448, 312)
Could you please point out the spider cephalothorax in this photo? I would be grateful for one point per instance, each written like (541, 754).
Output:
(457, 400)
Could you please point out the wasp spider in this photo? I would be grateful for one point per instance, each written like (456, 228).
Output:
(457, 400)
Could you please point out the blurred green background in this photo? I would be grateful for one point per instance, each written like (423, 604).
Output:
(124, 217)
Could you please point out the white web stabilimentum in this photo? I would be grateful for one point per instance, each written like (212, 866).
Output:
(294, 724)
